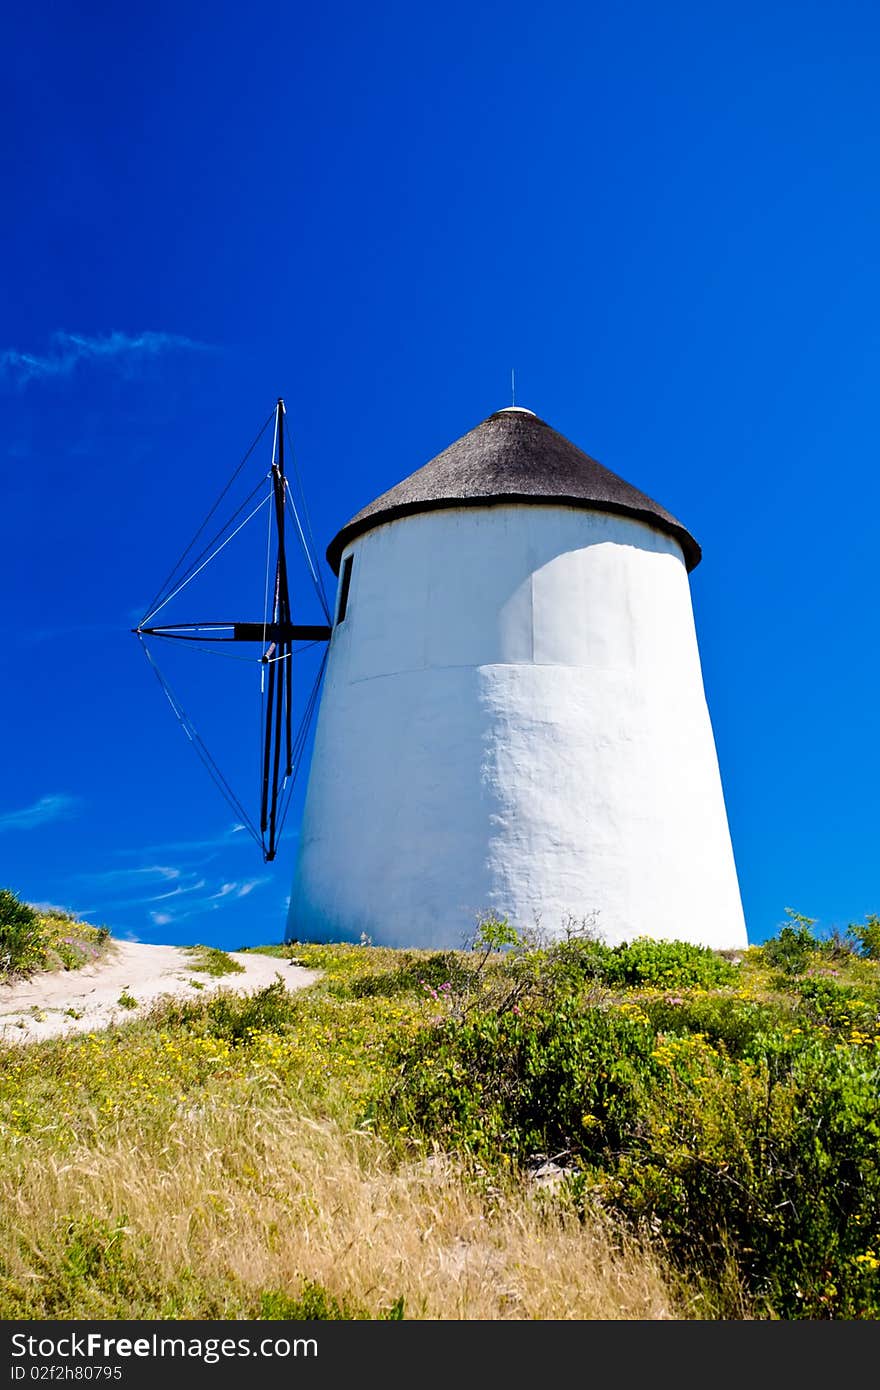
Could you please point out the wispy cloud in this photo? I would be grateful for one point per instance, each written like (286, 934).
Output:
(197, 907)
(57, 806)
(163, 894)
(240, 890)
(122, 878)
(135, 887)
(68, 350)
(245, 888)
(122, 888)
(177, 892)
(223, 840)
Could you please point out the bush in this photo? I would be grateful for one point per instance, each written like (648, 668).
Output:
(562, 1080)
(564, 966)
(317, 1304)
(72, 954)
(578, 959)
(237, 1018)
(22, 943)
(775, 1163)
(643, 962)
(839, 1009)
(734, 1026)
(667, 965)
(210, 960)
(737, 1135)
(791, 950)
(867, 937)
(416, 975)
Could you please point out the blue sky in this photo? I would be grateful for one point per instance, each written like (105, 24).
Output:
(667, 218)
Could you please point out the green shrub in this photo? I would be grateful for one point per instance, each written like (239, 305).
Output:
(563, 1080)
(84, 1266)
(316, 1304)
(568, 964)
(92, 1248)
(495, 933)
(867, 937)
(578, 959)
(734, 1026)
(235, 1018)
(210, 960)
(667, 965)
(840, 1009)
(737, 1135)
(776, 1163)
(22, 943)
(48, 940)
(792, 949)
(837, 946)
(442, 971)
(71, 954)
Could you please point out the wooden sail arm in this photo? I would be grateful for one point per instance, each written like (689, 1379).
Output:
(282, 632)
(278, 632)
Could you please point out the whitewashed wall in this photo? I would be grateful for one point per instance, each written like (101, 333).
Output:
(513, 718)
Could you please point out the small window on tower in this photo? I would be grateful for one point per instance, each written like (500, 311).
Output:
(344, 586)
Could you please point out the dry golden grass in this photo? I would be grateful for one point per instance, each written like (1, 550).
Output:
(232, 1201)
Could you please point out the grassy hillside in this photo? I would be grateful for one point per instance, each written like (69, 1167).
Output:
(518, 1131)
(32, 939)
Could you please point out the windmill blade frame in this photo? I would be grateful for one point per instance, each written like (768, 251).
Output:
(281, 743)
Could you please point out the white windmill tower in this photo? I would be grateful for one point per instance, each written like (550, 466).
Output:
(513, 717)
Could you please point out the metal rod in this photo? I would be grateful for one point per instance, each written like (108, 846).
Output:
(288, 763)
(267, 751)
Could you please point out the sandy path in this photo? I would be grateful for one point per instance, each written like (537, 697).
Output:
(81, 1001)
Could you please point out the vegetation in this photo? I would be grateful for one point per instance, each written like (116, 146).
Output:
(522, 1130)
(31, 939)
(867, 937)
(740, 1120)
(210, 960)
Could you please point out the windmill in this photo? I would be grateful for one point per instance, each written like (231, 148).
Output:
(512, 715)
